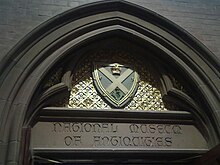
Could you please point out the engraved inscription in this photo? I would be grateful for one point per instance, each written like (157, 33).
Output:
(72, 140)
(115, 136)
(85, 127)
(134, 141)
(155, 128)
(111, 134)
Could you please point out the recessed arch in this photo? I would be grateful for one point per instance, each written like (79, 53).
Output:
(26, 65)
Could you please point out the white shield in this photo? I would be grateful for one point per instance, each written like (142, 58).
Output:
(115, 82)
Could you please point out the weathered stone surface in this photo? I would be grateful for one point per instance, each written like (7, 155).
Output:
(199, 17)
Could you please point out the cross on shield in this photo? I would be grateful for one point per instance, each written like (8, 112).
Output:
(115, 82)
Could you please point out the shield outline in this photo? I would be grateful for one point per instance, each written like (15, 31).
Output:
(107, 96)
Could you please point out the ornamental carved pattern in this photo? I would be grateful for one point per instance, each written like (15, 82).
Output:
(85, 95)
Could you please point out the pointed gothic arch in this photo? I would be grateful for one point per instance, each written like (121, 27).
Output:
(29, 62)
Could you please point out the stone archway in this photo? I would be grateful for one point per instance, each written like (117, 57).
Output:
(26, 65)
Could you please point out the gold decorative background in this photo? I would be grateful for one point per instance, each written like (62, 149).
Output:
(84, 95)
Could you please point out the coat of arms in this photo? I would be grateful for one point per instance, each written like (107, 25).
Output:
(117, 83)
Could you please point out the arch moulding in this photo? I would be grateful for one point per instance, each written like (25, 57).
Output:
(27, 64)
